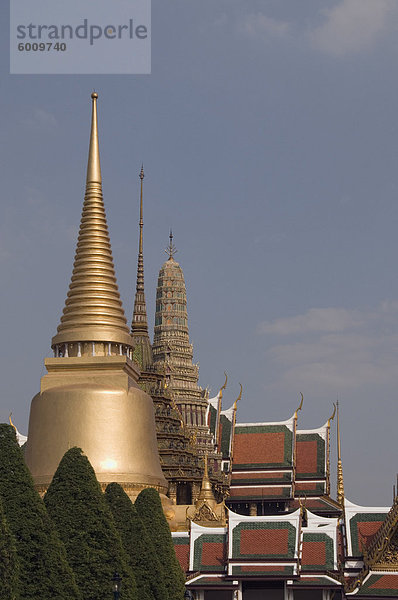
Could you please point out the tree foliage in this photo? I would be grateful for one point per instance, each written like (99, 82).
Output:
(9, 566)
(84, 521)
(142, 556)
(149, 509)
(43, 568)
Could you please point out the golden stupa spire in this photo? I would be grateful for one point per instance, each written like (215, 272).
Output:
(340, 481)
(93, 310)
(139, 325)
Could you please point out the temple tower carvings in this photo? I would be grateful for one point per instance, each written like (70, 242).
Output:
(173, 357)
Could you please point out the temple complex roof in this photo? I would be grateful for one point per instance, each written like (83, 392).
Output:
(267, 547)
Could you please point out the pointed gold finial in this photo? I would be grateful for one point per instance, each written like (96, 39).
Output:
(332, 417)
(93, 164)
(300, 406)
(238, 398)
(11, 423)
(219, 408)
(224, 386)
(171, 249)
(93, 309)
(340, 480)
(234, 423)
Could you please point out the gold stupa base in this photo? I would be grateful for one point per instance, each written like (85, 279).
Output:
(95, 404)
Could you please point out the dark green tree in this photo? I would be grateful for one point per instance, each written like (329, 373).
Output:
(43, 568)
(77, 506)
(149, 509)
(143, 558)
(9, 566)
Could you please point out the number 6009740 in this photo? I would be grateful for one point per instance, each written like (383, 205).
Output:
(42, 47)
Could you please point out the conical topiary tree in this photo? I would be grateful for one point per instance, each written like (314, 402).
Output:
(9, 566)
(43, 568)
(142, 556)
(85, 524)
(149, 509)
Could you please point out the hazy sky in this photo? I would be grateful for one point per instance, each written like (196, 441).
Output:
(269, 136)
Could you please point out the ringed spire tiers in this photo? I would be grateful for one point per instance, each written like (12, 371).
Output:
(93, 311)
(139, 325)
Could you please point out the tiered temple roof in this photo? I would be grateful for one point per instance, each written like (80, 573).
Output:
(262, 465)
(275, 464)
(284, 547)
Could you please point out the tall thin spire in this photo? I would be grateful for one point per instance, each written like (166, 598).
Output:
(340, 481)
(139, 325)
(93, 309)
(141, 210)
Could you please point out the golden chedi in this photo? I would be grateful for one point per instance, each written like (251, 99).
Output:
(89, 397)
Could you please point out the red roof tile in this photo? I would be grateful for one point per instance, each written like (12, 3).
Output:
(213, 553)
(264, 541)
(251, 568)
(182, 553)
(306, 460)
(263, 476)
(386, 582)
(314, 553)
(389, 582)
(260, 492)
(309, 486)
(259, 448)
(363, 532)
(379, 585)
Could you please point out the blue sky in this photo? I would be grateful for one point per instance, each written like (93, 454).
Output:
(268, 132)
